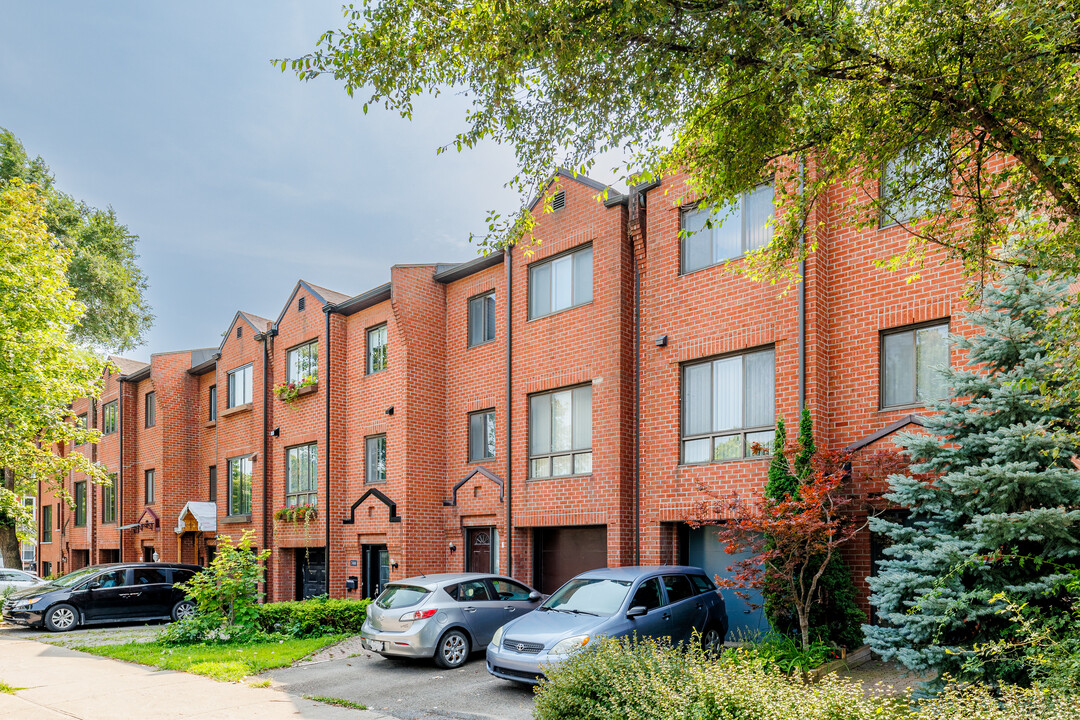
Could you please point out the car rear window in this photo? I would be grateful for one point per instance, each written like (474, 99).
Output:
(149, 576)
(179, 576)
(702, 584)
(678, 588)
(399, 596)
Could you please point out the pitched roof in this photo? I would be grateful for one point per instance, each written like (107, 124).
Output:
(259, 323)
(331, 296)
(127, 366)
(614, 196)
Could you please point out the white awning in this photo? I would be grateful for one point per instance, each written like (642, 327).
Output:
(205, 513)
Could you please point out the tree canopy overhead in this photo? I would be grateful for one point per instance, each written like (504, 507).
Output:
(726, 88)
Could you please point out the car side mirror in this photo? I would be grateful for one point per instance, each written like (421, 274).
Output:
(534, 596)
(636, 611)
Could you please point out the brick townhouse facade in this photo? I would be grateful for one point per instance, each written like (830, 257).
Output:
(538, 412)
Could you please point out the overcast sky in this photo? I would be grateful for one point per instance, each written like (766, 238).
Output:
(238, 178)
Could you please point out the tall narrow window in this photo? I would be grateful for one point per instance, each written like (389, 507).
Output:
(46, 523)
(211, 400)
(239, 480)
(151, 409)
(377, 356)
(108, 500)
(110, 418)
(80, 504)
(81, 420)
(560, 433)
(727, 406)
(911, 360)
(482, 436)
(302, 473)
(481, 319)
(563, 282)
(212, 494)
(375, 459)
(148, 486)
(712, 237)
(303, 363)
(240, 386)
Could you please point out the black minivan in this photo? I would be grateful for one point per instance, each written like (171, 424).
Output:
(120, 592)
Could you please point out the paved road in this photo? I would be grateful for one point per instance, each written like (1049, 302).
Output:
(410, 690)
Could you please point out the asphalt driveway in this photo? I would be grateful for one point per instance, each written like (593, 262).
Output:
(409, 690)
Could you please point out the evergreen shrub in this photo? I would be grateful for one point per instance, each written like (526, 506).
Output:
(313, 618)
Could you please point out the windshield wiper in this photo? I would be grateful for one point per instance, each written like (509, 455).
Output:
(582, 612)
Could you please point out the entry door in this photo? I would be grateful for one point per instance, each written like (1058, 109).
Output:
(376, 569)
(310, 572)
(478, 542)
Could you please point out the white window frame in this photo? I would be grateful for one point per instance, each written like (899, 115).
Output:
(244, 461)
(715, 223)
(244, 375)
(301, 490)
(549, 457)
(302, 362)
(378, 349)
(561, 282)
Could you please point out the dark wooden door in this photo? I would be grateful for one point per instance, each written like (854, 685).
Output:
(310, 572)
(376, 570)
(561, 553)
(478, 544)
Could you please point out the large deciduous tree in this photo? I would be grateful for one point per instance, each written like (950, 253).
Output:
(727, 88)
(994, 497)
(42, 367)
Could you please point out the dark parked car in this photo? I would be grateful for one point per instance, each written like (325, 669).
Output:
(666, 601)
(123, 592)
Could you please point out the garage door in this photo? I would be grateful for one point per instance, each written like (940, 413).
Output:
(561, 553)
(703, 550)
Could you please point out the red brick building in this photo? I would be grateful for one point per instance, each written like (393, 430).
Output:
(541, 411)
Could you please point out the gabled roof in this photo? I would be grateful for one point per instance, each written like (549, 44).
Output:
(614, 196)
(324, 296)
(256, 323)
(205, 514)
(127, 366)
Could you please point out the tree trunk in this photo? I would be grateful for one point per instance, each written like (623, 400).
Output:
(9, 539)
(804, 627)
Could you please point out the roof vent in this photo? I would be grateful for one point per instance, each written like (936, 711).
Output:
(558, 201)
(300, 305)
(239, 331)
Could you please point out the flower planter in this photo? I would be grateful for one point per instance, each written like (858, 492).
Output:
(855, 658)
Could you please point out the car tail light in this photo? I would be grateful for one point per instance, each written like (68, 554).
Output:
(419, 615)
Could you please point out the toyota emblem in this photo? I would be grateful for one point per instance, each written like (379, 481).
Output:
(521, 647)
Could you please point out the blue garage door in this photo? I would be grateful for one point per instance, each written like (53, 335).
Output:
(703, 550)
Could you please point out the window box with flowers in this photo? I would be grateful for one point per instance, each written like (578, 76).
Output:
(290, 391)
(296, 513)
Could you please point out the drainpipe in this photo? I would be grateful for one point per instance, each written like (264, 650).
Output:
(266, 460)
(509, 410)
(327, 310)
(637, 386)
(119, 496)
(802, 297)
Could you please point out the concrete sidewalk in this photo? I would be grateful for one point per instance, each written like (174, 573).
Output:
(61, 684)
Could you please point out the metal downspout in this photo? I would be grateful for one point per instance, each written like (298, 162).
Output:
(266, 460)
(802, 297)
(328, 309)
(120, 471)
(637, 391)
(509, 410)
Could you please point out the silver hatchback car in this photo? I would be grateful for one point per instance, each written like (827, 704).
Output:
(444, 616)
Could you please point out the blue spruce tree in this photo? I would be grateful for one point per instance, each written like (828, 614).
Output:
(1000, 512)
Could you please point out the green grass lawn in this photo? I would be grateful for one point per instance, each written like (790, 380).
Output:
(225, 662)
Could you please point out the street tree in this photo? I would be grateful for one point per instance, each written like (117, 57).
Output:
(43, 368)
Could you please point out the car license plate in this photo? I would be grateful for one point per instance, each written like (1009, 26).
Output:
(376, 645)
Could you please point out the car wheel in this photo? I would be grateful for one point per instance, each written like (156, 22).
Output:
(61, 618)
(183, 609)
(452, 650)
(712, 642)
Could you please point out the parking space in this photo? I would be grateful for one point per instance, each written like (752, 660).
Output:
(409, 690)
(112, 634)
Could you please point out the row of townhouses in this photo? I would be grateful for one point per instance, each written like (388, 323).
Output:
(535, 412)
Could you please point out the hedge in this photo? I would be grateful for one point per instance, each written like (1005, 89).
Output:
(311, 618)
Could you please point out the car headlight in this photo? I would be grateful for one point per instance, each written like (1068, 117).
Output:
(496, 639)
(26, 602)
(569, 644)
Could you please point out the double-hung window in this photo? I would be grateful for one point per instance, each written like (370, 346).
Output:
(301, 467)
(80, 504)
(375, 459)
(239, 481)
(150, 409)
(915, 183)
(148, 487)
(911, 360)
(712, 237)
(110, 418)
(108, 500)
(481, 435)
(563, 282)
(303, 363)
(727, 406)
(560, 433)
(240, 386)
(377, 356)
(481, 319)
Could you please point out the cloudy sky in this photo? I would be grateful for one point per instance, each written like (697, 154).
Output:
(237, 178)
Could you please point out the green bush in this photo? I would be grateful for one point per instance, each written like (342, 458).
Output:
(784, 652)
(649, 680)
(313, 618)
